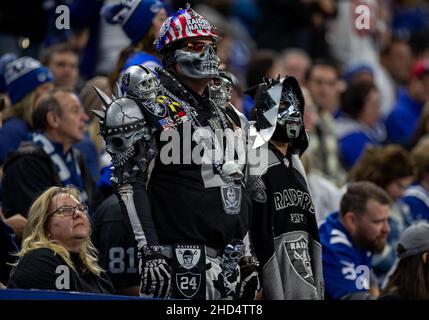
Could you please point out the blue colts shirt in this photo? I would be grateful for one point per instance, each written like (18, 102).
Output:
(346, 268)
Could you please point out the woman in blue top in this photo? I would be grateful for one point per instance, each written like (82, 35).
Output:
(359, 122)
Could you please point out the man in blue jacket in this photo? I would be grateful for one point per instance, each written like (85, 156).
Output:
(350, 237)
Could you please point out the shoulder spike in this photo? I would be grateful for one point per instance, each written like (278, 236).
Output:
(104, 97)
(100, 114)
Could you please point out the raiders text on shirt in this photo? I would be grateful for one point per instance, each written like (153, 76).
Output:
(292, 197)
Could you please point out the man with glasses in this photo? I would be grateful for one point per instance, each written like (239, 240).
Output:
(50, 158)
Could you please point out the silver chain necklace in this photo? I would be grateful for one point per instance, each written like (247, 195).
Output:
(195, 123)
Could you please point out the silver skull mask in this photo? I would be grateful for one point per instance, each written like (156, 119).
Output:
(221, 89)
(290, 118)
(198, 65)
(232, 255)
(122, 125)
(139, 82)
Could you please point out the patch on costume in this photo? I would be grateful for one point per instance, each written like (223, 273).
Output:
(157, 109)
(180, 117)
(299, 256)
(125, 79)
(231, 199)
(167, 123)
(183, 116)
(189, 271)
(256, 188)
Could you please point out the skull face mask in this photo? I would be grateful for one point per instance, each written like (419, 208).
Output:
(199, 64)
(232, 255)
(139, 82)
(221, 89)
(122, 125)
(289, 120)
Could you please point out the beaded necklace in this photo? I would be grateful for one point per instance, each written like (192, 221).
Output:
(195, 123)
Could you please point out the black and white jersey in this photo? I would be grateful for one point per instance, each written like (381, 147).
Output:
(190, 201)
(284, 231)
(116, 244)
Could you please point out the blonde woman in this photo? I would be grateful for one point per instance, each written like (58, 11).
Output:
(57, 253)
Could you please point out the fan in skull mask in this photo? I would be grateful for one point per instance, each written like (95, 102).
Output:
(130, 142)
(291, 240)
(138, 82)
(221, 89)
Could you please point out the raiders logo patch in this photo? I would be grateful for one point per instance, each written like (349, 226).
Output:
(256, 187)
(125, 79)
(157, 109)
(231, 199)
(189, 271)
(299, 256)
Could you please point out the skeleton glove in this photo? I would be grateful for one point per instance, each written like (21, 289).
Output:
(250, 286)
(156, 275)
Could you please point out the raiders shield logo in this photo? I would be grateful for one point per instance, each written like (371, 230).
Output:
(299, 256)
(256, 187)
(231, 199)
(157, 109)
(189, 271)
(125, 79)
(188, 283)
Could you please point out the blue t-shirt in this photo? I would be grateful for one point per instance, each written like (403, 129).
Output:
(353, 137)
(346, 268)
(402, 121)
(417, 199)
(90, 155)
(14, 131)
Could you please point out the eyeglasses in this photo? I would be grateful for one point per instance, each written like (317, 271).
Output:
(70, 211)
(198, 46)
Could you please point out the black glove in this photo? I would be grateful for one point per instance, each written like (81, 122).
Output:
(250, 286)
(156, 275)
(226, 284)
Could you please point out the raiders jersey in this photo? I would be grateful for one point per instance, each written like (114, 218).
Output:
(191, 203)
(284, 231)
(116, 245)
(346, 268)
